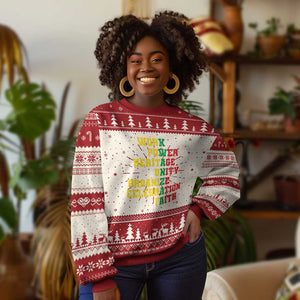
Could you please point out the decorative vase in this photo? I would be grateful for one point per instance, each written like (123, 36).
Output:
(293, 125)
(16, 271)
(287, 188)
(270, 45)
(233, 24)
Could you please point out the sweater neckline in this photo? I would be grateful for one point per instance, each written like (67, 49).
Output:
(158, 110)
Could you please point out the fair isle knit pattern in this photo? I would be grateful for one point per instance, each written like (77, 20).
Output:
(133, 175)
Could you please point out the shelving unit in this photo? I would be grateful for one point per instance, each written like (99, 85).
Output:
(224, 68)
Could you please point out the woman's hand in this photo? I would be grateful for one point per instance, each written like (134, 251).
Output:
(192, 226)
(111, 294)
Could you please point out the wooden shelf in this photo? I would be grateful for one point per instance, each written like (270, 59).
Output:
(263, 135)
(267, 210)
(246, 59)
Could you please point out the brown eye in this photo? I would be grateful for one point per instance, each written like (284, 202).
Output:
(156, 60)
(135, 59)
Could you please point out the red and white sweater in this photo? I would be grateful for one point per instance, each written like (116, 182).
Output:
(133, 175)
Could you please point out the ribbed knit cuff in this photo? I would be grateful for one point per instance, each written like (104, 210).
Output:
(196, 210)
(103, 285)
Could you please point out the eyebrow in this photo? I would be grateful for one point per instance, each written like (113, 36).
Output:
(151, 53)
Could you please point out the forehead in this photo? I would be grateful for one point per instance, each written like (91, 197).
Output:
(149, 44)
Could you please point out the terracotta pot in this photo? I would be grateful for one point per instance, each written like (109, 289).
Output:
(270, 45)
(16, 271)
(291, 125)
(233, 25)
(287, 190)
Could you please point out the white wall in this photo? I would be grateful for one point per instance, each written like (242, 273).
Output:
(60, 37)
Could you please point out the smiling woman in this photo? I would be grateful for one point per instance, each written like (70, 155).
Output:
(139, 222)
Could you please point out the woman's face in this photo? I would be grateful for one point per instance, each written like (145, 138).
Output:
(148, 68)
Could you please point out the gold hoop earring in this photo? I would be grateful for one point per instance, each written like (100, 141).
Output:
(122, 90)
(175, 88)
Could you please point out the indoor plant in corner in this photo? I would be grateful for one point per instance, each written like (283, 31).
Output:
(268, 40)
(32, 111)
(287, 103)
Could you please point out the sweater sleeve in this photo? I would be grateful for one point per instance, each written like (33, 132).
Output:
(89, 227)
(220, 187)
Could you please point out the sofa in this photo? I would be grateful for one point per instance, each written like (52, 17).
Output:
(250, 281)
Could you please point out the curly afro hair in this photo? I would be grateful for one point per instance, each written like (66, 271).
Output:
(118, 38)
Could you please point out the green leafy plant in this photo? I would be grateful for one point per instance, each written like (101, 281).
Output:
(48, 172)
(192, 107)
(269, 42)
(283, 102)
(229, 240)
(32, 112)
(273, 24)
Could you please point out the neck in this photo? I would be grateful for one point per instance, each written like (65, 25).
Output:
(147, 101)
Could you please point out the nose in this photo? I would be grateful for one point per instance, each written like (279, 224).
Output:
(146, 66)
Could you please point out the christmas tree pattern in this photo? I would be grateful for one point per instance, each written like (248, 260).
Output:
(182, 222)
(184, 125)
(148, 122)
(129, 233)
(203, 127)
(166, 124)
(84, 241)
(161, 231)
(113, 120)
(130, 121)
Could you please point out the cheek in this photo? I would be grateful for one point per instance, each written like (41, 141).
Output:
(166, 77)
(130, 75)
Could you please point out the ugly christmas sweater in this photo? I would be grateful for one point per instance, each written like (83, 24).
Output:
(133, 176)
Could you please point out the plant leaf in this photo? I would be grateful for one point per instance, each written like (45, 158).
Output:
(8, 213)
(15, 178)
(29, 102)
(38, 173)
(2, 234)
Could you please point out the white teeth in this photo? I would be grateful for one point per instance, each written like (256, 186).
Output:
(147, 79)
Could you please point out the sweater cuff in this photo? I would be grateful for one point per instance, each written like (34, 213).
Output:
(103, 285)
(196, 210)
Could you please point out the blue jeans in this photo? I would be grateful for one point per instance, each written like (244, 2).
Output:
(180, 276)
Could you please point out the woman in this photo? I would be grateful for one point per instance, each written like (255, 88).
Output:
(134, 220)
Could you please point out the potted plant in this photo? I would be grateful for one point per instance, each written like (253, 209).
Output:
(287, 103)
(28, 101)
(268, 40)
(33, 111)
